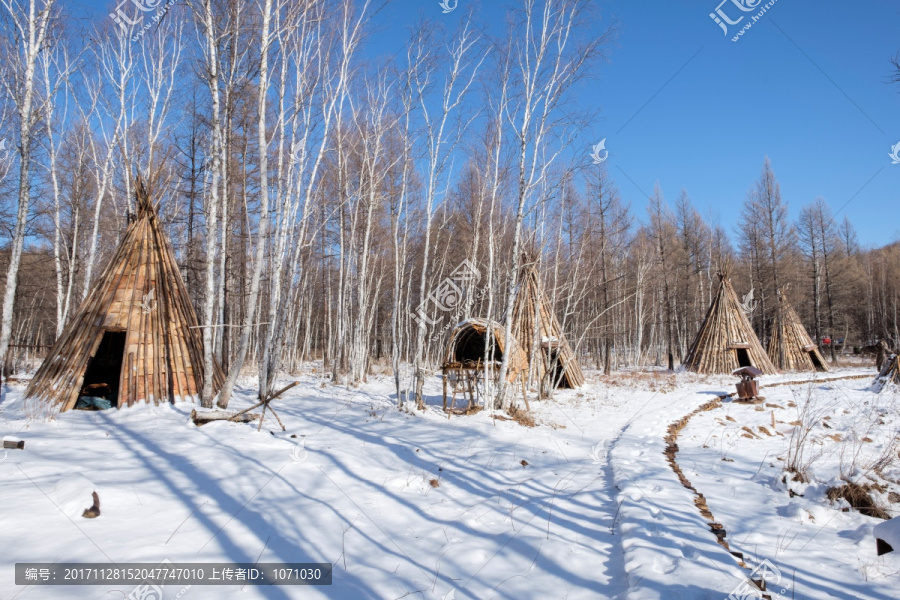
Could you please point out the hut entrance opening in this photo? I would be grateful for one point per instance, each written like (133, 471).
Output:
(101, 378)
(471, 345)
(743, 357)
(814, 357)
(555, 367)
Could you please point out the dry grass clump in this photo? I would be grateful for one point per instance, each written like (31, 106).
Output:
(859, 498)
(522, 417)
(801, 453)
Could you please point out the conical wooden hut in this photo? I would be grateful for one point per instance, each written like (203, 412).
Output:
(135, 336)
(726, 340)
(534, 325)
(790, 348)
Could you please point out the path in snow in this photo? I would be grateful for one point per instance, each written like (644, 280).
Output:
(735, 456)
(595, 512)
(352, 489)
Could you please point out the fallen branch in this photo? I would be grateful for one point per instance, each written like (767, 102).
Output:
(207, 416)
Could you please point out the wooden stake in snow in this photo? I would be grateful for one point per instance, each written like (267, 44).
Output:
(94, 511)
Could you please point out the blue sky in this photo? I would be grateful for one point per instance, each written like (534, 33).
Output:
(806, 86)
(681, 104)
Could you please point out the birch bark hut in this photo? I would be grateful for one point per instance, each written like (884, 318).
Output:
(209, 37)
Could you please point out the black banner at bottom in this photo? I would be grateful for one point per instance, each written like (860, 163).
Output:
(169, 573)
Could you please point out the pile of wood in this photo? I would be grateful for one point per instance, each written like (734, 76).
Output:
(549, 357)
(889, 374)
(726, 340)
(790, 347)
(141, 298)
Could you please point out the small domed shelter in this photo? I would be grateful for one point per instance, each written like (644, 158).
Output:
(135, 337)
(469, 339)
(464, 367)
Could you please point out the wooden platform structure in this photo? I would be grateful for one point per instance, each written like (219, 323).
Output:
(467, 379)
(135, 337)
(726, 340)
(549, 357)
(791, 348)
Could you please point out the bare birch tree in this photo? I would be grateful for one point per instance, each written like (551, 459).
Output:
(25, 38)
(548, 59)
(440, 137)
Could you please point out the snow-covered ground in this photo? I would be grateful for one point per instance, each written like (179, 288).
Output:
(736, 456)
(584, 505)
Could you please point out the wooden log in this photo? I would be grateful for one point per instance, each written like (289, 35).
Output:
(208, 416)
(14, 444)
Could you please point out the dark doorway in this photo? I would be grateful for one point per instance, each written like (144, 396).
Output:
(101, 378)
(556, 367)
(470, 347)
(816, 362)
(743, 357)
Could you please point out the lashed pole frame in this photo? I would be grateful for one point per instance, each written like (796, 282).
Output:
(266, 405)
